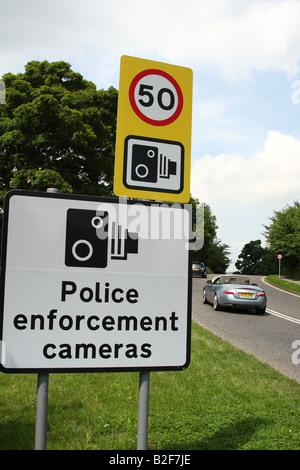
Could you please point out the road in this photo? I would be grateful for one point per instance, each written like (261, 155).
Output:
(268, 337)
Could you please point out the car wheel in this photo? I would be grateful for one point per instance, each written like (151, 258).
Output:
(204, 297)
(216, 303)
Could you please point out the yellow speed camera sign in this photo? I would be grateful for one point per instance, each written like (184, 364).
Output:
(153, 145)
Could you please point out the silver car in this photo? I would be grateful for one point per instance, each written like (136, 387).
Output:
(234, 292)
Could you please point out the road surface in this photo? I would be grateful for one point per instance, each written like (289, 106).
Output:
(273, 338)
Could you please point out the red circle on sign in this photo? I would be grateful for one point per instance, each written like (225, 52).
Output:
(140, 114)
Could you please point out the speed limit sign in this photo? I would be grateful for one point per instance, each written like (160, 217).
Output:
(156, 97)
(153, 144)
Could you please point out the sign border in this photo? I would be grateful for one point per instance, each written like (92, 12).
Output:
(88, 369)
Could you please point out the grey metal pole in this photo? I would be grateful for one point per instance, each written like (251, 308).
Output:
(143, 412)
(279, 267)
(42, 399)
(41, 412)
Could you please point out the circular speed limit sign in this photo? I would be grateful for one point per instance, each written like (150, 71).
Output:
(156, 97)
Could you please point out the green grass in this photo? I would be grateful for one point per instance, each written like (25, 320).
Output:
(225, 399)
(292, 286)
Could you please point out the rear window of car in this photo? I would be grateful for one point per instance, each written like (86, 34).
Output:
(232, 280)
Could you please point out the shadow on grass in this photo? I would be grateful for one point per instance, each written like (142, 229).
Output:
(17, 435)
(233, 436)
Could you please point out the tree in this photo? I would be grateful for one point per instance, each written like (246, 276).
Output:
(57, 130)
(213, 253)
(250, 259)
(254, 259)
(269, 264)
(218, 256)
(283, 236)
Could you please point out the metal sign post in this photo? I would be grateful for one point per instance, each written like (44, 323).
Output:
(41, 412)
(279, 264)
(42, 399)
(143, 411)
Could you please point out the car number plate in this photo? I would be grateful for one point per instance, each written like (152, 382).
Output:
(251, 296)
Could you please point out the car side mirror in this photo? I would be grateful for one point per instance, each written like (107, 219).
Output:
(209, 282)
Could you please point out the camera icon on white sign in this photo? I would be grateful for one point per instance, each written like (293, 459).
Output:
(153, 164)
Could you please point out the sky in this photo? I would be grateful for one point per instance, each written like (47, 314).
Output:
(245, 57)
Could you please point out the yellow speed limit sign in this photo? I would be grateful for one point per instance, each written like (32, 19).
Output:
(153, 144)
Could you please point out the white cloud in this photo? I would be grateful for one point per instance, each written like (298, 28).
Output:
(244, 193)
(263, 36)
(236, 36)
(271, 176)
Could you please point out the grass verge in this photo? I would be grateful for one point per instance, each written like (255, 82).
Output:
(225, 399)
(291, 286)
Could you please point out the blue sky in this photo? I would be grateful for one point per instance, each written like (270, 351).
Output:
(245, 56)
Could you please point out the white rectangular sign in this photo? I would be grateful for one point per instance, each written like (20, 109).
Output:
(93, 284)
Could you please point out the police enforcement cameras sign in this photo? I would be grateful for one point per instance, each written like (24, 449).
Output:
(93, 284)
(153, 145)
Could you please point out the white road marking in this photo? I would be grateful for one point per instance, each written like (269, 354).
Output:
(281, 315)
(277, 288)
(278, 314)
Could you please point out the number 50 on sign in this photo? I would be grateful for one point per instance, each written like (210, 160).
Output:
(153, 145)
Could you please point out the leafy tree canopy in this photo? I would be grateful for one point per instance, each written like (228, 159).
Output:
(213, 254)
(283, 236)
(255, 259)
(56, 130)
(250, 258)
